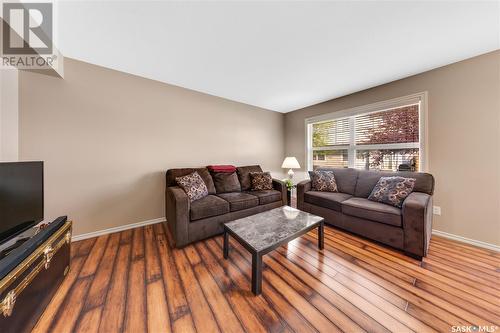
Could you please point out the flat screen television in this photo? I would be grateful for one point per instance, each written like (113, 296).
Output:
(21, 197)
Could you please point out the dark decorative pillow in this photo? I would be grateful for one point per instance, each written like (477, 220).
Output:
(261, 181)
(226, 182)
(244, 175)
(392, 190)
(193, 185)
(324, 181)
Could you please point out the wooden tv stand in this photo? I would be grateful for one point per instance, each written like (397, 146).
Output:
(39, 266)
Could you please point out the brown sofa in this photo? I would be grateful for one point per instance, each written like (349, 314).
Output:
(192, 221)
(407, 229)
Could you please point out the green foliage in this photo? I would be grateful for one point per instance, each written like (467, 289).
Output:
(289, 184)
(320, 132)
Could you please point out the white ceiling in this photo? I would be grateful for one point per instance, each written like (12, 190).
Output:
(281, 56)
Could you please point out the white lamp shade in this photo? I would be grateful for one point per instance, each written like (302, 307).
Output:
(290, 163)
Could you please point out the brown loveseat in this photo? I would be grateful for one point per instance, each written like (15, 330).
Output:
(407, 229)
(203, 218)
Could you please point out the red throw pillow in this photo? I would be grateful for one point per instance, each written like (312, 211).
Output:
(222, 168)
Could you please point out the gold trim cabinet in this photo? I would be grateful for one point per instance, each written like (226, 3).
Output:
(28, 288)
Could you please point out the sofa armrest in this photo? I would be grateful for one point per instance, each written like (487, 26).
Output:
(280, 186)
(177, 213)
(417, 223)
(302, 188)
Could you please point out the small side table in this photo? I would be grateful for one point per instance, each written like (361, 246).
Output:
(289, 194)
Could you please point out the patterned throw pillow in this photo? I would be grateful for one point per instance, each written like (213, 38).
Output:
(392, 190)
(193, 185)
(324, 181)
(261, 181)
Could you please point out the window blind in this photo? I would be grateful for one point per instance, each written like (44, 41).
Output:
(331, 133)
(380, 140)
(392, 126)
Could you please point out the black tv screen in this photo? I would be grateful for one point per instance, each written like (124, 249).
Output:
(21, 197)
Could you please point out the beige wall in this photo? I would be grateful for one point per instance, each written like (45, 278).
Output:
(9, 113)
(464, 139)
(107, 137)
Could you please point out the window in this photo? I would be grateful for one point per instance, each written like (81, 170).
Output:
(383, 136)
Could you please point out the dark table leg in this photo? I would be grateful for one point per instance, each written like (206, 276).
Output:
(226, 244)
(256, 274)
(321, 236)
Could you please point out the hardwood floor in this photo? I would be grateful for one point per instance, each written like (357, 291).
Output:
(133, 281)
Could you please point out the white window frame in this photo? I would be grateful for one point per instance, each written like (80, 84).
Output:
(422, 145)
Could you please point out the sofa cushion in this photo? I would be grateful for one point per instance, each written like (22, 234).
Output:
(345, 177)
(244, 175)
(374, 211)
(239, 200)
(392, 190)
(266, 196)
(324, 181)
(330, 200)
(261, 181)
(368, 179)
(203, 172)
(226, 182)
(209, 206)
(193, 185)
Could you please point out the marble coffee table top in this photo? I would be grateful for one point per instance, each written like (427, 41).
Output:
(266, 229)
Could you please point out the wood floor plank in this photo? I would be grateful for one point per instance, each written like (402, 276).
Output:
(331, 258)
(428, 318)
(293, 318)
(373, 305)
(99, 287)
(466, 292)
(472, 264)
(134, 281)
(463, 246)
(203, 317)
(115, 305)
(135, 311)
(94, 258)
(344, 314)
(462, 314)
(66, 320)
(268, 315)
(248, 315)
(461, 266)
(226, 318)
(462, 276)
(465, 254)
(355, 282)
(153, 266)
(452, 299)
(83, 247)
(179, 312)
(89, 321)
(292, 290)
(366, 244)
(158, 318)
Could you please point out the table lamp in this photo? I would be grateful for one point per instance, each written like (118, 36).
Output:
(290, 163)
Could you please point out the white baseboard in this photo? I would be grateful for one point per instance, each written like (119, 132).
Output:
(474, 242)
(116, 229)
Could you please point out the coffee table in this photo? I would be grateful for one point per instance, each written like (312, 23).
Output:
(263, 232)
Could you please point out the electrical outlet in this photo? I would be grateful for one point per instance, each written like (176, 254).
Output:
(436, 210)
